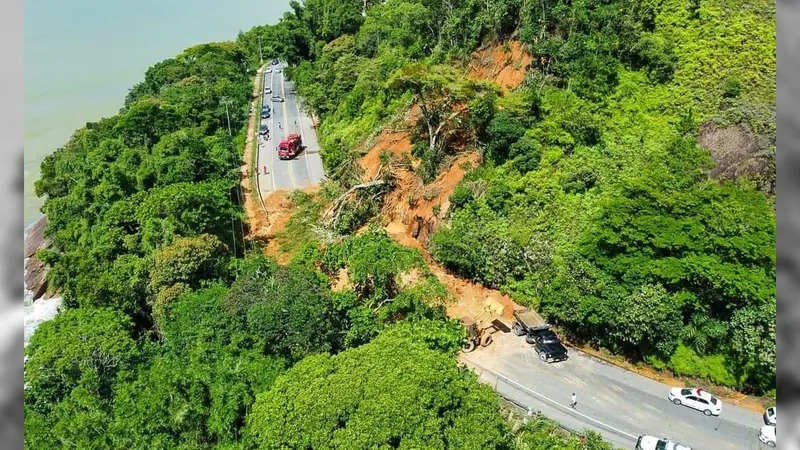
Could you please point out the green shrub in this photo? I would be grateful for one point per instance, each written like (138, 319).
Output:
(655, 362)
(504, 130)
(732, 87)
(527, 153)
(686, 362)
(460, 197)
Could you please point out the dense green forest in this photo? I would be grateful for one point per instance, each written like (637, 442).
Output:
(594, 204)
(627, 187)
(187, 345)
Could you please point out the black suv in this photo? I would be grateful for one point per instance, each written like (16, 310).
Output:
(548, 346)
(274, 62)
(265, 112)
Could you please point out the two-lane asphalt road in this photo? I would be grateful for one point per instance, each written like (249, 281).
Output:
(617, 403)
(286, 118)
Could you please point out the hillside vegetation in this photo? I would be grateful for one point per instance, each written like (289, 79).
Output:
(626, 187)
(592, 201)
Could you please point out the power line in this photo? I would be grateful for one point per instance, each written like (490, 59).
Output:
(239, 194)
(226, 102)
(233, 237)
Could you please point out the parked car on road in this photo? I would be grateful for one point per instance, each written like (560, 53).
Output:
(654, 443)
(265, 114)
(263, 129)
(267, 70)
(277, 98)
(268, 90)
(767, 435)
(547, 344)
(771, 415)
(697, 399)
(274, 61)
(278, 70)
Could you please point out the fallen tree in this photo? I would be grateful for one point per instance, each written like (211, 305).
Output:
(331, 216)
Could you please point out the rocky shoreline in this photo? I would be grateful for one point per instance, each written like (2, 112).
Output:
(35, 270)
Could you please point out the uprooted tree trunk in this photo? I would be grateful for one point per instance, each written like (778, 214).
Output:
(331, 217)
(434, 129)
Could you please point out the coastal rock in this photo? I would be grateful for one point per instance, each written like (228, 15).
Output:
(35, 270)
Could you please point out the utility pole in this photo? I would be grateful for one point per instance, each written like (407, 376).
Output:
(226, 102)
(260, 52)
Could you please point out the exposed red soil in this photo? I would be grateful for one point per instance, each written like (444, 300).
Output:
(411, 219)
(342, 281)
(470, 296)
(412, 211)
(280, 210)
(412, 223)
(418, 207)
(507, 68)
(395, 143)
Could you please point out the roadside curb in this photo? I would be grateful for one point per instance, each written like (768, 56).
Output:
(475, 367)
(737, 401)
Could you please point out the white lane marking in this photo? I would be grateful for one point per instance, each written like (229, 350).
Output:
(286, 121)
(302, 136)
(261, 142)
(567, 408)
(274, 168)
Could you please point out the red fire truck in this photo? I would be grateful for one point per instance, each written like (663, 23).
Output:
(289, 147)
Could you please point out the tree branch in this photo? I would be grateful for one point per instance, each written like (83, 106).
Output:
(337, 205)
(446, 120)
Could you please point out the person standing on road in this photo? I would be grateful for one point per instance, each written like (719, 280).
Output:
(573, 402)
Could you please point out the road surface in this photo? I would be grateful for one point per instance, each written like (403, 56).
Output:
(286, 117)
(619, 404)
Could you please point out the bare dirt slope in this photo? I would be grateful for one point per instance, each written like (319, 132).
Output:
(413, 211)
(281, 208)
(280, 212)
(506, 65)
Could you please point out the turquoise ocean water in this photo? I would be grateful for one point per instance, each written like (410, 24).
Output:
(82, 56)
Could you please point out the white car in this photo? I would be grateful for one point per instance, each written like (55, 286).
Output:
(767, 435)
(771, 415)
(654, 443)
(268, 90)
(267, 70)
(697, 399)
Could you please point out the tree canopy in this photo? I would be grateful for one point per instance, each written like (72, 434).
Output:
(392, 392)
(607, 197)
